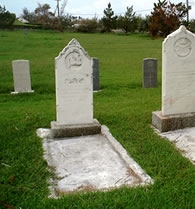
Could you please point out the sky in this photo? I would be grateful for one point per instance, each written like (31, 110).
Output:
(91, 8)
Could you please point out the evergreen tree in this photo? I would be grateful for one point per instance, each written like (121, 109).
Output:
(128, 22)
(109, 20)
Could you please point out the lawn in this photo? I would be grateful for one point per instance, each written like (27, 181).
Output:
(122, 105)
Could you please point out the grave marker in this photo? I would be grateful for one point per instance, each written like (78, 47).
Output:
(96, 82)
(74, 92)
(178, 82)
(21, 75)
(149, 73)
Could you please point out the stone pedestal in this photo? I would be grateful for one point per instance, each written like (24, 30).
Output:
(60, 131)
(172, 122)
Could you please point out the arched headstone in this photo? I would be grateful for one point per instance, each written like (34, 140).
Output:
(178, 82)
(74, 92)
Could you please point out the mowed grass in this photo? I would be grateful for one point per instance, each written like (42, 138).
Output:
(122, 105)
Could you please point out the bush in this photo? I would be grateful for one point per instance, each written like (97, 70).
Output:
(6, 18)
(87, 26)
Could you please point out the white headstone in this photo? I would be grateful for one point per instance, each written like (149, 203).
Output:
(21, 75)
(178, 73)
(74, 85)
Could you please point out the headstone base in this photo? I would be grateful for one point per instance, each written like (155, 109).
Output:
(172, 122)
(60, 131)
(20, 92)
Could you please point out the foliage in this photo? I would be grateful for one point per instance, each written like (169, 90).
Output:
(6, 18)
(109, 20)
(46, 19)
(87, 25)
(192, 25)
(143, 24)
(42, 16)
(128, 22)
(166, 17)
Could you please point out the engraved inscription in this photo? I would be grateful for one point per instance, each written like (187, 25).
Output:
(73, 59)
(74, 80)
(183, 47)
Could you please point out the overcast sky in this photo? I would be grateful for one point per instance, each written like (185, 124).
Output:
(90, 8)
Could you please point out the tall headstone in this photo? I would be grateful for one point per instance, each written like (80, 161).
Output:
(96, 81)
(74, 91)
(149, 73)
(21, 75)
(178, 82)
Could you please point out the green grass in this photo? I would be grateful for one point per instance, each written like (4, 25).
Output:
(122, 105)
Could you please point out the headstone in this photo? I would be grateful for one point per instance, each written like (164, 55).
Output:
(21, 75)
(74, 92)
(96, 82)
(149, 73)
(178, 82)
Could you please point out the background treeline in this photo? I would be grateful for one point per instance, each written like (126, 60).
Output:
(165, 18)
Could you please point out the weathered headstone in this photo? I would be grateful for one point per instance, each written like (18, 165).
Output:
(149, 73)
(178, 82)
(21, 75)
(74, 92)
(96, 81)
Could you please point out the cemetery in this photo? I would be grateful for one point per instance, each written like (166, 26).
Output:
(110, 95)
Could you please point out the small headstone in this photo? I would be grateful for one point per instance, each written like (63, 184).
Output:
(149, 73)
(96, 82)
(21, 75)
(178, 82)
(74, 92)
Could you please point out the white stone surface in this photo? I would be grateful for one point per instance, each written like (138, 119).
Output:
(21, 75)
(184, 139)
(95, 162)
(74, 85)
(178, 73)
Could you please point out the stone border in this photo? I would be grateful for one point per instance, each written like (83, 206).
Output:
(172, 122)
(145, 179)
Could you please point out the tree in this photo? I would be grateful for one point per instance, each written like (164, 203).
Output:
(166, 17)
(109, 20)
(6, 18)
(29, 16)
(143, 24)
(43, 15)
(128, 21)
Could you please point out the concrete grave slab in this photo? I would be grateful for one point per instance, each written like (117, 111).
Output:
(90, 163)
